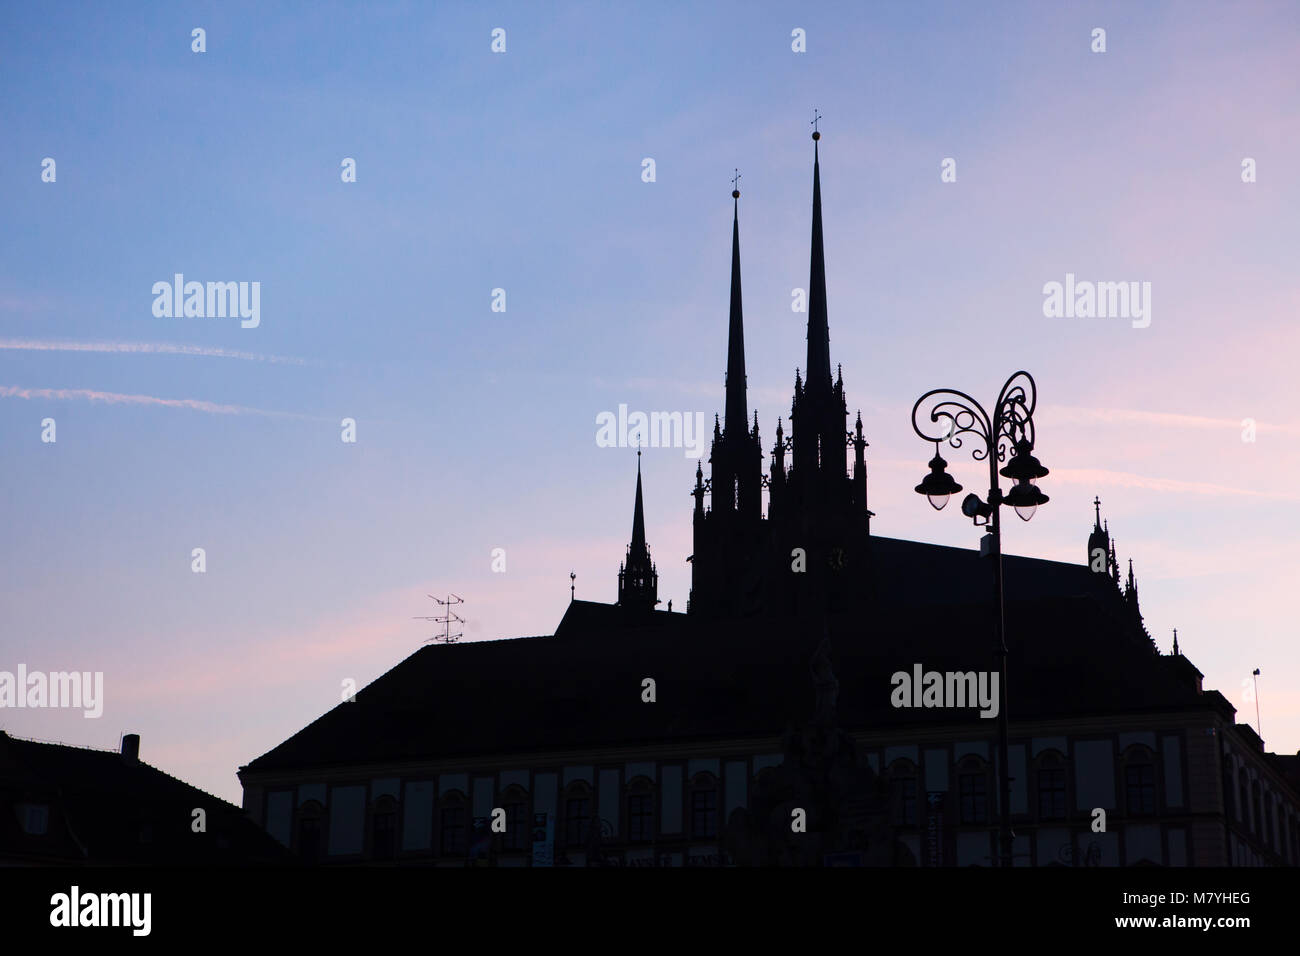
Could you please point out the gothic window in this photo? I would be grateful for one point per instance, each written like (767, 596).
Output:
(383, 829)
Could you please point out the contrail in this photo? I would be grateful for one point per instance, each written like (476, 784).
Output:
(148, 348)
(117, 398)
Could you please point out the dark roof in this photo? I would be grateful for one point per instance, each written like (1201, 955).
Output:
(1075, 651)
(105, 809)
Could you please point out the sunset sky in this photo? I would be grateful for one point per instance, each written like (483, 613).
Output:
(523, 171)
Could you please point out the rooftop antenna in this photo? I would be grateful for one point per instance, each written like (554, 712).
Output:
(573, 580)
(445, 619)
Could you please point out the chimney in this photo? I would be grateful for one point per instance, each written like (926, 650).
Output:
(131, 748)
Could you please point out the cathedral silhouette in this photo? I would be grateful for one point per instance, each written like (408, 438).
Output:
(635, 736)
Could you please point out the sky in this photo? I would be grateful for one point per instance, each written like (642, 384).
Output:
(523, 170)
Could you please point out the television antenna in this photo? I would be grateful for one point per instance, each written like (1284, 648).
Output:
(445, 619)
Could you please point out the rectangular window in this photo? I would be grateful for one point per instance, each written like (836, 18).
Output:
(309, 839)
(640, 818)
(974, 798)
(1141, 785)
(1051, 794)
(907, 802)
(453, 831)
(517, 833)
(385, 841)
(704, 813)
(577, 814)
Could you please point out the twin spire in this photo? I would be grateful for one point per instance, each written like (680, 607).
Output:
(736, 416)
(819, 338)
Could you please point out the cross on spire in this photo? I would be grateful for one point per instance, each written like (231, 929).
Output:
(816, 116)
(735, 182)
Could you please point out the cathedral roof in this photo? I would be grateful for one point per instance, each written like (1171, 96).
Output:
(1073, 654)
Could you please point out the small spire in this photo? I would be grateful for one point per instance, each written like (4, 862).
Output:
(1097, 504)
(1175, 640)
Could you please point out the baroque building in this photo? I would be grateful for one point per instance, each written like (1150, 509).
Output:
(638, 736)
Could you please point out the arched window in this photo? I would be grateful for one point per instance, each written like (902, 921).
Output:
(704, 806)
(518, 835)
(1051, 786)
(383, 829)
(1139, 782)
(311, 816)
(973, 790)
(453, 833)
(640, 811)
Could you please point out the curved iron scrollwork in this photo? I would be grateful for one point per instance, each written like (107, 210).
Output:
(945, 414)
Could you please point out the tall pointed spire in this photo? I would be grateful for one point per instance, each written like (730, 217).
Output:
(637, 548)
(819, 347)
(736, 415)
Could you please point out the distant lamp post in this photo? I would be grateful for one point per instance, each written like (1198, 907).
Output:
(944, 414)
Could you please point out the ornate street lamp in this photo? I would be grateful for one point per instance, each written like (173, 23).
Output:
(944, 414)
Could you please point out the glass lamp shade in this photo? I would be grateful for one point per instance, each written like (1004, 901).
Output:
(938, 485)
(1025, 498)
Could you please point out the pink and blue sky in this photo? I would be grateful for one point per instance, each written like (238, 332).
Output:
(476, 429)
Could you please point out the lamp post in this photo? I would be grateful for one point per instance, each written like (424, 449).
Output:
(944, 415)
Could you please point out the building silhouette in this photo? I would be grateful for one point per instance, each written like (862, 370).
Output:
(637, 736)
(75, 806)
